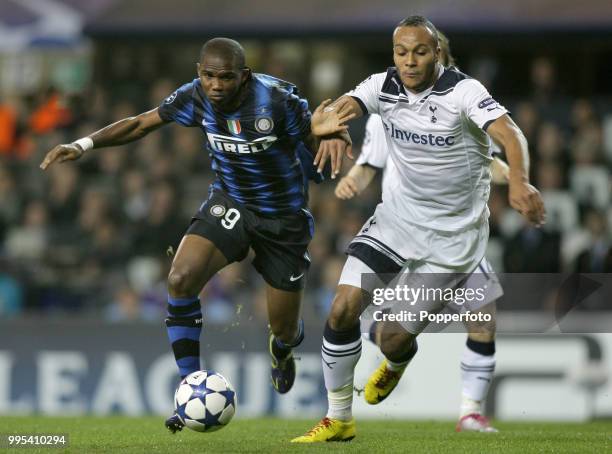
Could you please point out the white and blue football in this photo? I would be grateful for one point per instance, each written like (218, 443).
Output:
(205, 401)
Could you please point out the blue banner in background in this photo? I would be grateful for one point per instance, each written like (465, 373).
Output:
(86, 367)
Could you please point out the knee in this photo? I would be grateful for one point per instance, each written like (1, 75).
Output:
(345, 311)
(180, 283)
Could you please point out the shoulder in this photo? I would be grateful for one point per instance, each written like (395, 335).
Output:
(459, 87)
(189, 87)
(185, 91)
(471, 93)
(450, 80)
(275, 87)
(462, 84)
(375, 81)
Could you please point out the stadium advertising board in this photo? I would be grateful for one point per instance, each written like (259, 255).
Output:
(90, 368)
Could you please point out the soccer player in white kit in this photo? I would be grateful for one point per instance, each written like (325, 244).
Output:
(478, 358)
(437, 125)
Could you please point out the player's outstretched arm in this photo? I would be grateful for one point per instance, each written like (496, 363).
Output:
(358, 178)
(124, 131)
(524, 198)
(500, 172)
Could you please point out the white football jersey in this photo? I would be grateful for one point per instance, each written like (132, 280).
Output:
(374, 152)
(439, 146)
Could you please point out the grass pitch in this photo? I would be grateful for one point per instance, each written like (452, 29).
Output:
(267, 435)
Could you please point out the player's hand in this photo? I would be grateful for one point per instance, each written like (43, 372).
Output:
(331, 118)
(61, 153)
(346, 188)
(334, 150)
(527, 200)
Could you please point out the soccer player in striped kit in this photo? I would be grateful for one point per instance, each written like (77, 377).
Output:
(261, 148)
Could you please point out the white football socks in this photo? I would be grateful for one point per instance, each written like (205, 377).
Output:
(340, 403)
(397, 367)
(476, 375)
(338, 362)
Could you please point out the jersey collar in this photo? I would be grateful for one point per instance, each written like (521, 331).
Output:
(416, 97)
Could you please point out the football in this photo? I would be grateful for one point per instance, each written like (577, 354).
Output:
(205, 401)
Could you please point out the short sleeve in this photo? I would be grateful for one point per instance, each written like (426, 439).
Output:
(476, 102)
(367, 92)
(178, 107)
(374, 151)
(297, 116)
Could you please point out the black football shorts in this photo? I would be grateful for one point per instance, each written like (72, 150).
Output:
(280, 242)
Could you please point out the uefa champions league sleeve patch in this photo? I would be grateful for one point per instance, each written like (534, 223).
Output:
(171, 98)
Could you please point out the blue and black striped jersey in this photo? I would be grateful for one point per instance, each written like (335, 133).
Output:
(254, 150)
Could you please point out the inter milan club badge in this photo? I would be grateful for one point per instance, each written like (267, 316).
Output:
(217, 210)
(234, 126)
(264, 125)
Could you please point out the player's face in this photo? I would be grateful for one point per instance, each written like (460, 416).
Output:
(416, 55)
(221, 80)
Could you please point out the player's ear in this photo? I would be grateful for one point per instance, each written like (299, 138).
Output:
(246, 74)
(198, 68)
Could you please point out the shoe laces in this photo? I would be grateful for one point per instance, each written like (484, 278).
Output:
(386, 376)
(483, 420)
(282, 363)
(323, 424)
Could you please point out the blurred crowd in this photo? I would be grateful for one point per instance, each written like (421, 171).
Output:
(96, 237)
